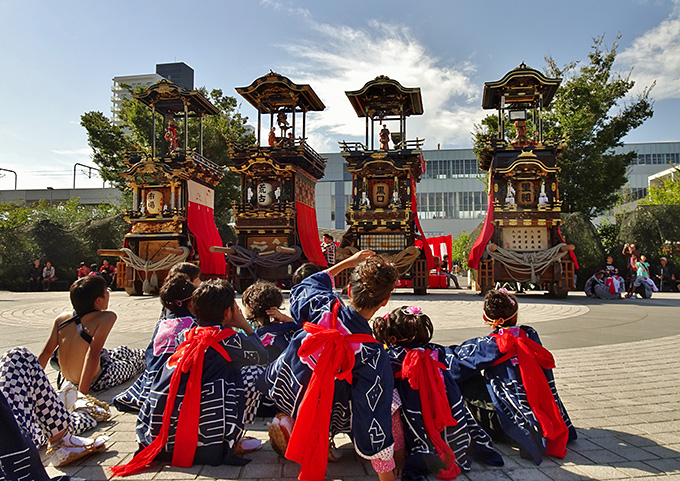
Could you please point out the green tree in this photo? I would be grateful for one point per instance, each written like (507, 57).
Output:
(65, 234)
(459, 247)
(590, 111)
(110, 142)
(593, 111)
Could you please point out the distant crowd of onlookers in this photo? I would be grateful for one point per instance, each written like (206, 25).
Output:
(637, 279)
(41, 278)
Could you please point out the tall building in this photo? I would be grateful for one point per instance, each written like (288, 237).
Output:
(451, 194)
(177, 72)
(120, 93)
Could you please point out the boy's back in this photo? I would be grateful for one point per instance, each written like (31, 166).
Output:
(73, 347)
(80, 337)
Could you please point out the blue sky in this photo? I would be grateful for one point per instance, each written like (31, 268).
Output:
(58, 59)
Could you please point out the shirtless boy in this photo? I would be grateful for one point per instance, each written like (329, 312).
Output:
(80, 337)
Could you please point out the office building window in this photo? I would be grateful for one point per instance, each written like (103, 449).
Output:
(452, 205)
(451, 169)
(658, 159)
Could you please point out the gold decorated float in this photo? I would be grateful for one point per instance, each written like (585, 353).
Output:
(172, 195)
(382, 215)
(521, 240)
(275, 220)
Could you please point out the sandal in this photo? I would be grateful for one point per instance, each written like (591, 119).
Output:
(68, 395)
(279, 432)
(99, 410)
(334, 454)
(247, 445)
(70, 448)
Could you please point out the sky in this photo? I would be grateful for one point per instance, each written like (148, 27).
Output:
(58, 60)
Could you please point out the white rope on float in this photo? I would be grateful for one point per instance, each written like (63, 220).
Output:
(139, 264)
(527, 263)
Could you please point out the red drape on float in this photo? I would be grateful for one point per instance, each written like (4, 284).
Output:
(571, 253)
(201, 221)
(441, 246)
(414, 209)
(308, 230)
(487, 230)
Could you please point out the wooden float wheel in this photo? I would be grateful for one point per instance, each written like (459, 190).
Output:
(485, 276)
(134, 288)
(555, 290)
(420, 277)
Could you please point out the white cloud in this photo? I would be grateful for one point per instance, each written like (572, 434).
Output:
(344, 58)
(286, 7)
(655, 56)
(82, 152)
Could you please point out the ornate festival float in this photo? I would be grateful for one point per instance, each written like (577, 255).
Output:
(520, 240)
(383, 214)
(172, 195)
(276, 226)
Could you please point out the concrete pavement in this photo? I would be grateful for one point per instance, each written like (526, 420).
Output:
(617, 373)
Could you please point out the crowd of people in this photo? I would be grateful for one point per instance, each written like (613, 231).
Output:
(41, 277)
(412, 407)
(636, 279)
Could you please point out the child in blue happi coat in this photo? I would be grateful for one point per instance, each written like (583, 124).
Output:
(334, 376)
(175, 295)
(199, 404)
(440, 434)
(521, 386)
(261, 306)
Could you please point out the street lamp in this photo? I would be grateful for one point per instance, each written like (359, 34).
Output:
(15, 176)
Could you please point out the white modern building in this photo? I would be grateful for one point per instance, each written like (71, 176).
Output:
(177, 72)
(451, 194)
(120, 93)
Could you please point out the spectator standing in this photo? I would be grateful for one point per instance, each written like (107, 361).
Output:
(48, 275)
(642, 267)
(632, 254)
(83, 270)
(329, 248)
(34, 278)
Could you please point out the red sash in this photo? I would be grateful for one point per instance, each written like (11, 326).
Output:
(532, 359)
(187, 358)
(423, 374)
(308, 443)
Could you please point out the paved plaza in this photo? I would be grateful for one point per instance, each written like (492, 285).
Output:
(617, 373)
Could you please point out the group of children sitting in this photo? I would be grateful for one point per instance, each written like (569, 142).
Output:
(412, 407)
